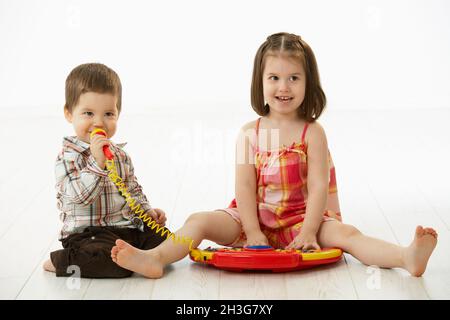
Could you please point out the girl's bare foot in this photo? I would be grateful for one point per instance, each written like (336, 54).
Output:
(144, 262)
(419, 251)
(48, 266)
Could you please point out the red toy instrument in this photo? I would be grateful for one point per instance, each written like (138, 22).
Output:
(264, 258)
(108, 154)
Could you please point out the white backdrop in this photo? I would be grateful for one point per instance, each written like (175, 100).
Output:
(199, 53)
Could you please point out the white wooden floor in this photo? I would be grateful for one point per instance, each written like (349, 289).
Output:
(392, 170)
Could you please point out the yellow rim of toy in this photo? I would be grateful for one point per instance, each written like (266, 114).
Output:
(202, 255)
(329, 254)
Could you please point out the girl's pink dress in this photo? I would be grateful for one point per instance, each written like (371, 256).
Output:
(282, 192)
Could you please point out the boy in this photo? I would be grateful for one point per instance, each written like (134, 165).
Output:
(93, 212)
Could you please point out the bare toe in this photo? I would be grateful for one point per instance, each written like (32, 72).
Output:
(114, 251)
(431, 231)
(122, 244)
(419, 231)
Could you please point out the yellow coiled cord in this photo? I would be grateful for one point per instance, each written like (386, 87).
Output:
(136, 207)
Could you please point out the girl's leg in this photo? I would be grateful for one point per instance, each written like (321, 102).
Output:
(371, 251)
(217, 226)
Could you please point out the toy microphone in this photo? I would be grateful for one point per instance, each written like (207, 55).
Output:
(108, 154)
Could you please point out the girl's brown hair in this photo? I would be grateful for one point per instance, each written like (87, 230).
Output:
(292, 45)
(92, 77)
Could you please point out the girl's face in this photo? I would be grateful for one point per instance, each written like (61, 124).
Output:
(94, 110)
(284, 84)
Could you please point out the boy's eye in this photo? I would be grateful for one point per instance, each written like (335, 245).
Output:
(110, 114)
(88, 113)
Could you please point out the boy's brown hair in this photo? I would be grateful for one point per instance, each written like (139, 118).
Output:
(92, 77)
(293, 46)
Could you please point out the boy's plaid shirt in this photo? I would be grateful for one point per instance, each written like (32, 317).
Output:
(86, 197)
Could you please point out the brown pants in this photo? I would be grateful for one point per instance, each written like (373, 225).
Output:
(90, 251)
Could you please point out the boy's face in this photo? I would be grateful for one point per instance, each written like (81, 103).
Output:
(94, 110)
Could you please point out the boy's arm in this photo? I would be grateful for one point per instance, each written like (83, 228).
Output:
(77, 184)
(134, 188)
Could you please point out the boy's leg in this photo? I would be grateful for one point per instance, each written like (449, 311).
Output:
(90, 252)
(216, 226)
(371, 251)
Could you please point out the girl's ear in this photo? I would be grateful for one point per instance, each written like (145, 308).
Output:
(67, 115)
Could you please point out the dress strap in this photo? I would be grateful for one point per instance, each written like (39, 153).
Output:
(257, 134)
(304, 132)
(257, 126)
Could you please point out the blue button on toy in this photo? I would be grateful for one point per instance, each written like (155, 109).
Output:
(259, 247)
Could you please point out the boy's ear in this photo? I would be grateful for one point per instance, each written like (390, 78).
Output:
(67, 114)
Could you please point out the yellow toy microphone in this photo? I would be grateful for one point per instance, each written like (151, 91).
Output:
(108, 154)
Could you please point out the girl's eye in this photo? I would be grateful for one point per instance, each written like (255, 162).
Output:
(110, 114)
(293, 78)
(89, 113)
(273, 78)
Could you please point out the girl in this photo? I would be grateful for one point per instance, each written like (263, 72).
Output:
(287, 196)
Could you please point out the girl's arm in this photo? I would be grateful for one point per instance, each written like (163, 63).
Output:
(318, 179)
(246, 186)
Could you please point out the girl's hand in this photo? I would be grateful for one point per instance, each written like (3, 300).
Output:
(256, 238)
(97, 143)
(159, 216)
(304, 241)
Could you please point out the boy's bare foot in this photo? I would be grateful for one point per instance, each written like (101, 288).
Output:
(145, 262)
(48, 266)
(419, 251)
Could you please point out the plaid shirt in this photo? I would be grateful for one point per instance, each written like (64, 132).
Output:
(86, 197)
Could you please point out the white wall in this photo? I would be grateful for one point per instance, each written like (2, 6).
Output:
(198, 54)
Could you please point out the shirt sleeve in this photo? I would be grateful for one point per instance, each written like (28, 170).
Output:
(78, 180)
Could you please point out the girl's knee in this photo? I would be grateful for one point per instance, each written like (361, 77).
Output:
(346, 238)
(349, 231)
(200, 219)
(337, 234)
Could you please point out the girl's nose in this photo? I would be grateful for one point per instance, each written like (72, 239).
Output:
(284, 86)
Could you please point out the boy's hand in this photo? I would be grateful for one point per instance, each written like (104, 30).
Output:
(97, 143)
(304, 241)
(256, 238)
(158, 215)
